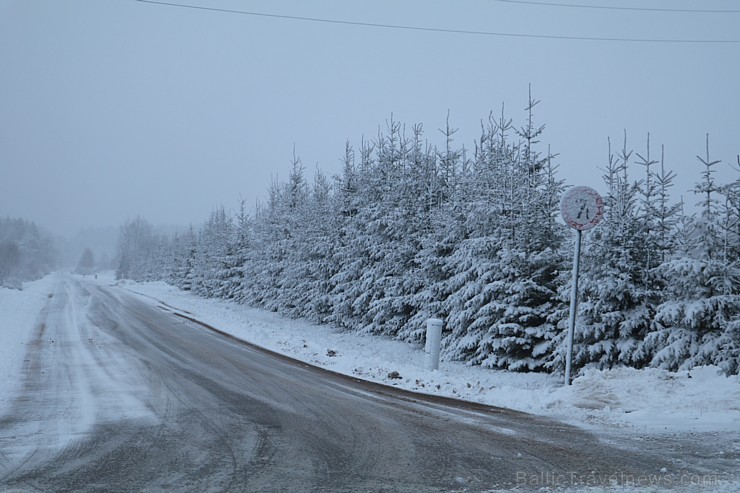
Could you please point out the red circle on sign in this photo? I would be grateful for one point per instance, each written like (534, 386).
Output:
(582, 208)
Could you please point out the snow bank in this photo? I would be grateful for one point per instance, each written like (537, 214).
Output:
(19, 316)
(650, 401)
(700, 400)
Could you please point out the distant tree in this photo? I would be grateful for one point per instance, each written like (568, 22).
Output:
(136, 246)
(211, 262)
(27, 253)
(86, 265)
(183, 249)
(237, 254)
(10, 257)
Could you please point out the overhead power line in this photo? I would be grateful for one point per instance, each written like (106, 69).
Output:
(609, 7)
(441, 30)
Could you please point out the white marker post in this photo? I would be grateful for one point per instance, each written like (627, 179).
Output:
(581, 208)
(433, 343)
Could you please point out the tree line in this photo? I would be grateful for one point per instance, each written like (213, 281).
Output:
(408, 231)
(26, 253)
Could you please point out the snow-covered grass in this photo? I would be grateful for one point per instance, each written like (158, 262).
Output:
(640, 401)
(19, 316)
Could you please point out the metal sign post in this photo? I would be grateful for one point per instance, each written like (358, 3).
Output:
(581, 208)
(573, 306)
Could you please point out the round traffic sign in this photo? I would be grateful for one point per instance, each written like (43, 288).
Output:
(582, 208)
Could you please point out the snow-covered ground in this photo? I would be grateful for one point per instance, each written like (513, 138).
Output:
(650, 402)
(19, 316)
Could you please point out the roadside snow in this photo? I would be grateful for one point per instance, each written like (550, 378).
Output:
(640, 401)
(19, 314)
(623, 400)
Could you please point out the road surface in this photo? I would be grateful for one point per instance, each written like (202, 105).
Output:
(121, 394)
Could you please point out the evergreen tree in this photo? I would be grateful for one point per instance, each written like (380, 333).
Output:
(26, 253)
(136, 246)
(408, 231)
(211, 262)
(701, 309)
(237, 255)
(507, 269)
(10, 258)
(614, 314)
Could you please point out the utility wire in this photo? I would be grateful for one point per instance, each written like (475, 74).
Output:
(441, 30)
(607, 7)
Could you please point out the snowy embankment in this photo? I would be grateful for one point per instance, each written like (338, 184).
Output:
(642, 401)
(19, 316)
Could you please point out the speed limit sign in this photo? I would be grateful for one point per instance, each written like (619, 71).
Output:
(582, 208)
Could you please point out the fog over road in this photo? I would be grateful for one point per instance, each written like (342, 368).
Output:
(119, 394)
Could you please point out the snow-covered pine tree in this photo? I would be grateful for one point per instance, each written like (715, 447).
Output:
(443, 230)
(530, 259)
(10, 257)
(660, 219)
(351, 254)
(424, 190)
(185, 260)
(210, 269)
(469, 290)
(507, 271)
(307, 274)
(667, 214)
(136, 246)
(647, 217)
(612, 317)
(392, 234)
(701, 306)
(237, 254)
(273, 270)
(294, 200)
(260, 271)
(172, 260)
(156, 265)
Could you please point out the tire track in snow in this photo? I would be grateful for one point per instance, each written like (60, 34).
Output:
(224, 415)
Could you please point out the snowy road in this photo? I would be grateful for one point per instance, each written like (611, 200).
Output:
(123, 395)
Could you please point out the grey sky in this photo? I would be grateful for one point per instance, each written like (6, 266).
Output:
(115, 108)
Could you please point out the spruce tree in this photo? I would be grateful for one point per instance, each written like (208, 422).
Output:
(702, 304)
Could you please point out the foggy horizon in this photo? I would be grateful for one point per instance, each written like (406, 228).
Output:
(111, 111)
